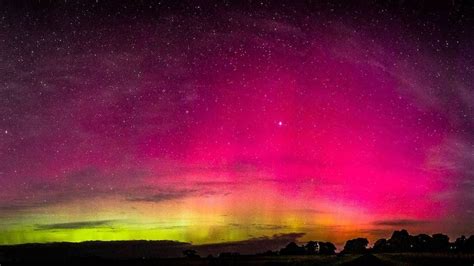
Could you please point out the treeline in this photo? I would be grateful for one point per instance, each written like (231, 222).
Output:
(402, 241)
(311, 248)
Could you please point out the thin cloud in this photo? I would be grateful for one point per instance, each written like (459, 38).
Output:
(401, 222)
(74, 225)
(250, 246)
(260, 226)
(165, 196)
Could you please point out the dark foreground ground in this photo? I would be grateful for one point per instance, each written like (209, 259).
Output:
(367, 259)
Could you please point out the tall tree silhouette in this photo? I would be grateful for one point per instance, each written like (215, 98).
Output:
(400, 241)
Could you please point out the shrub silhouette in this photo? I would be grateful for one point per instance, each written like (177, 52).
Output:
(190, 253)
(229, 254)
(292, 249)
(311, 248)
(269, 253)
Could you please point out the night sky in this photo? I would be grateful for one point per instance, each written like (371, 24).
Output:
(205, 123)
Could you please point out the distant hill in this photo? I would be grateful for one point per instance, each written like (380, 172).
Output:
(121, 250)
(94, 249)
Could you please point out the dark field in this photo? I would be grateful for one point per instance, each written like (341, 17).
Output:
(367, 259)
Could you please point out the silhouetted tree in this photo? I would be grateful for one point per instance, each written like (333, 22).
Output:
(460, 244)
(292, 249)
(400, 241)
(463, 244)
(327, 248)
(469, 245)
(358, 245)
(380, 245)
(422, 243)
(311, 248)
(440, 242)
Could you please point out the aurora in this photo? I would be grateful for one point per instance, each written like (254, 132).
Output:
(217, 123)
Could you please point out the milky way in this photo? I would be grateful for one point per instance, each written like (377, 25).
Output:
(210, 123)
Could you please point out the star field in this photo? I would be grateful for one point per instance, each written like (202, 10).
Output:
(208, 122)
